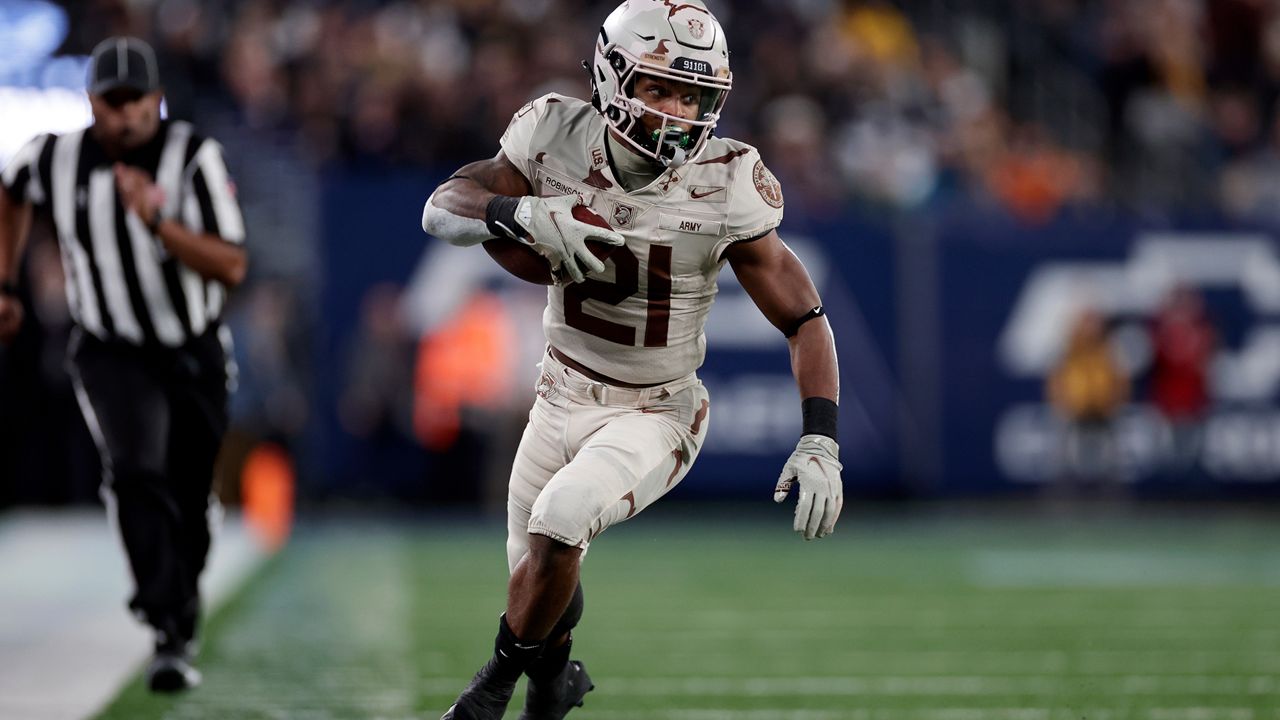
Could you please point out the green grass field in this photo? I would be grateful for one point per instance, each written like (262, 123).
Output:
(892, 618)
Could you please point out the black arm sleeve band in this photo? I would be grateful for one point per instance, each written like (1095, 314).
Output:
(819, 416)
(795, 326)
(500, 216)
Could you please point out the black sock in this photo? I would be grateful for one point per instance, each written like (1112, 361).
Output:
(511, 656)
(551, 662)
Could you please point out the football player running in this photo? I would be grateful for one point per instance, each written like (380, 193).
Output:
(620, 414)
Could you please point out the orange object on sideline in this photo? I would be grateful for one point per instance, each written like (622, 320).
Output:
(465, 363)
(266, 489)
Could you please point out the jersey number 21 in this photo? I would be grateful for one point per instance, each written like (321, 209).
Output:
(625, 284)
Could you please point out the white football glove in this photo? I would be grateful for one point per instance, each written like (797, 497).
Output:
(816, 465)
(553, 232)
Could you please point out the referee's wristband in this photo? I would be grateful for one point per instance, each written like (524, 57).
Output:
(819, 415)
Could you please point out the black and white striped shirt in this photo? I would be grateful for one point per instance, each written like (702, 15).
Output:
(121, 283)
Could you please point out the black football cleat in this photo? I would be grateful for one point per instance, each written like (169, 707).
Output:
(170, 672)
(553, 699)
(486, 698)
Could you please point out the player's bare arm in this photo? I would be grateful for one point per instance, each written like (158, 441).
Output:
(468, 192)
(15, 220)
(781, 287)
(209, 255)
(491, 198)
(456, 211)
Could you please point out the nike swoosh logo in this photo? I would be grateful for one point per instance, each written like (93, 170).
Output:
(645, 37)
(697, 195)
(555, 220)
(821, 469)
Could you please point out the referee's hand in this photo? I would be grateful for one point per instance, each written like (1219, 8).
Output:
(138, 192)
(10, 317)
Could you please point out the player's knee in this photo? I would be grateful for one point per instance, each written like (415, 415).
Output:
(562, 515)
(549, 553)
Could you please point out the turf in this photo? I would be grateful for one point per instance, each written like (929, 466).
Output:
(893, 618)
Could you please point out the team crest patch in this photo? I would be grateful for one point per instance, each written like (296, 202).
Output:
(697, 29)
(767, 185)
(622, 214)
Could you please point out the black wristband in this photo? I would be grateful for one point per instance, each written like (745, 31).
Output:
(8, 288)
(500, 216)
(819, 416)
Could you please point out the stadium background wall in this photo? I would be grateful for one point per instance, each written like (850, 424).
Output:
(895, 446)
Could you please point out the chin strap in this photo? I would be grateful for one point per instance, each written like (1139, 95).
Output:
(671, 145)
(677, 158)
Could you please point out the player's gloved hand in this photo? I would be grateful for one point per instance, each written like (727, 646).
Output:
(549, 228)
(815, 464)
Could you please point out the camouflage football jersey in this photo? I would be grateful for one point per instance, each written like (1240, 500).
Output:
(641, 320)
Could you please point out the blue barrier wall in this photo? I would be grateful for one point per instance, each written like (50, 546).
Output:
(925, 311)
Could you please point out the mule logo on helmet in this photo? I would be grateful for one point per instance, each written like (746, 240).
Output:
(697, 29)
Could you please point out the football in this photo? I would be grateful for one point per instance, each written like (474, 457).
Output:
(525, 263)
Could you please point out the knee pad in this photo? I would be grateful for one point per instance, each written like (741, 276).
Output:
(572, 614)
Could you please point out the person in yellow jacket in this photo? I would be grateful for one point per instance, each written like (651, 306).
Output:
(1088, 388)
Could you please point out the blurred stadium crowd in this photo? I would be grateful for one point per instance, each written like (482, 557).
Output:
(1034, 104)
(1032, 108)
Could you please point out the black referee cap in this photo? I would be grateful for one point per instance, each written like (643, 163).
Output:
(123, 62)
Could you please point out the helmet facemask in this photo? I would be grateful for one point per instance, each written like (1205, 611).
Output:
(684, 45)
(674, 140)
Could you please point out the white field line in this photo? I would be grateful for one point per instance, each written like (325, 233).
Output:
(1020, 662)
(906, 685)
(994, 713)
(1062, 616)
(1119, 568)
(1189, 623)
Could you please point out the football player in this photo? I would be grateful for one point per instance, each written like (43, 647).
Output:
(620, 415)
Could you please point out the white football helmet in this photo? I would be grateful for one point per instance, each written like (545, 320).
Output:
(680, 41)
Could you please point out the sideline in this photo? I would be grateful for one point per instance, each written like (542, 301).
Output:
(67, 643)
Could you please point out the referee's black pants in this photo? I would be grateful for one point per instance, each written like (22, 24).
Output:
(157, 416)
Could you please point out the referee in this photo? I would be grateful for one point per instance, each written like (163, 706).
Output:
(151, 237)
